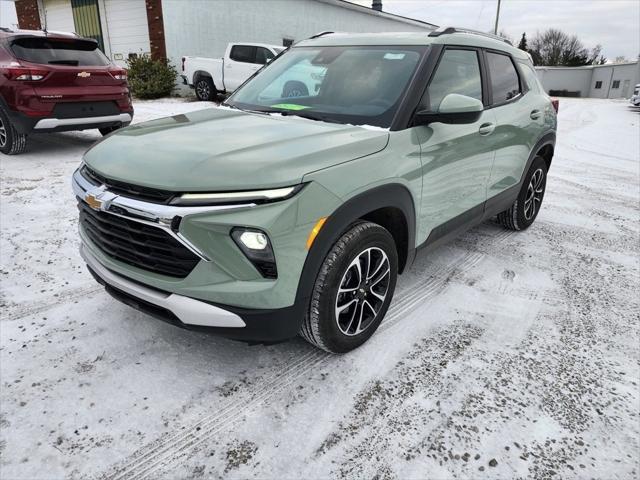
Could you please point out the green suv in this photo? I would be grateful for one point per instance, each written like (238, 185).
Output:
(275, 215)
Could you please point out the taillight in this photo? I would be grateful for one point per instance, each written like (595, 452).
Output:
(183, 59)
(24, 74)
(556, 104)
(119, 74)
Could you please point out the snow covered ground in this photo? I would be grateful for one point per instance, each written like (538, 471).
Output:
(504, 354)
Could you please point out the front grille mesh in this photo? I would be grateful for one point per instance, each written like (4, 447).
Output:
(137, 244)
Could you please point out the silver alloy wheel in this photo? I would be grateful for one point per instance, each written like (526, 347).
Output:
(362, 291)
(3, 134)
(534, 194)
(203, 89)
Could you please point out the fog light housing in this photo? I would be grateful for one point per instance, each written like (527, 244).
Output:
(257, 248)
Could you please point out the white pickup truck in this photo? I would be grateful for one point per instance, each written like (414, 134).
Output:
(210, 76)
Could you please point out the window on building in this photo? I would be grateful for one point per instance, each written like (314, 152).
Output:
(616, 84)
(287, 42)
(505, 83)
(243, 53)
(458, 72)
(598, 84)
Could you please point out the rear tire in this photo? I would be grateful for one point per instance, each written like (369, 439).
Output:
(525, 209)
(205, 89)
(107, 130)
(353, 289)
(11, 142)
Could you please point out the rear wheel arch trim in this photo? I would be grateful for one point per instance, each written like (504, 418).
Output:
(546, 141)
(198, 74)
(391, 195)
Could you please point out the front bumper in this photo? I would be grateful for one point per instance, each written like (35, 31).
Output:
(187, 310)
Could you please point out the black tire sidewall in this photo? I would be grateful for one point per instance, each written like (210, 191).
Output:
(8, 128)
(333, 338)
(538, 162)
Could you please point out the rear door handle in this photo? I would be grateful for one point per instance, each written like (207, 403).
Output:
(486, 129)
(535, 114)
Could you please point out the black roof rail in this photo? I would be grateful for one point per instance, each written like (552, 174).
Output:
(450, 30)
(320, 34)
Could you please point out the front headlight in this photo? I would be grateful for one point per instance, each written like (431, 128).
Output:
(229, 198)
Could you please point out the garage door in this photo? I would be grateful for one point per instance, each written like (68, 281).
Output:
(59, 16)
(128, 30)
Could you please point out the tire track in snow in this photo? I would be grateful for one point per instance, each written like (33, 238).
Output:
(61, 298)
(166, 451)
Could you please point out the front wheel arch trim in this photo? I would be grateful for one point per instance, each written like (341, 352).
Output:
(392, 195)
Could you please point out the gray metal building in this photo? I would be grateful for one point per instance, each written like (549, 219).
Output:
(595, 81)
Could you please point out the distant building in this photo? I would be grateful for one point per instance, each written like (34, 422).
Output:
(595, 81)
(173, 28)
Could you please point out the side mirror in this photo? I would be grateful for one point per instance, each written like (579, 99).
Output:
(453, 109)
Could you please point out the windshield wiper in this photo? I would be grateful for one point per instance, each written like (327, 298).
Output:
(308, 116)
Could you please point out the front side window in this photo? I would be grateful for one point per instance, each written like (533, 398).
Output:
(243, 53)
(598, 84)
(342, 84)
(616, 84)
(458, 72)
(53, 51)
(505, 84)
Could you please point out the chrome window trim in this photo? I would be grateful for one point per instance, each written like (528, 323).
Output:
(152, 214)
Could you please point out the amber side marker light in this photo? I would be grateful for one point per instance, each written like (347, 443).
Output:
(315, 231)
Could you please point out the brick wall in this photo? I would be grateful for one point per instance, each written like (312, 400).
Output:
(156, 29)
(28, 14)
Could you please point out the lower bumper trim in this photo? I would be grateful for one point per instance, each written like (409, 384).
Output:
(51, 123)
(188, 310)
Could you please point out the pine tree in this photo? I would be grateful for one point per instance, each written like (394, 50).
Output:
(523, 42)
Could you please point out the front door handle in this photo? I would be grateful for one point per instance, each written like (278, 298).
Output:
(486, 129)
(535, 114)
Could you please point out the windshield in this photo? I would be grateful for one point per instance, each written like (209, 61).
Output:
(355, 85)
(59, 51)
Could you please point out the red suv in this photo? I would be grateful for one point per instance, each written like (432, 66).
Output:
(54, 82)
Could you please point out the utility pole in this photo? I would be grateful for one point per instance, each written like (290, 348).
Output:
(495, 29)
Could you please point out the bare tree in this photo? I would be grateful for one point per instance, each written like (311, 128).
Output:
(553, 47)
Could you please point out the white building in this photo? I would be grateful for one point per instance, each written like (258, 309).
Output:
(595, 81)
(174, 28)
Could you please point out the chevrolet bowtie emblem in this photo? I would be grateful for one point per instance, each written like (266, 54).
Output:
(93, 201)
(84, 74)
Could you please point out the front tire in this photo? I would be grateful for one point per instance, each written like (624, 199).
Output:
(353, 289)
(11, 142)
(525, 209)
(205, 90)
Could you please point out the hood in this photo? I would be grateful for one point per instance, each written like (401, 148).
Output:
(224, 150)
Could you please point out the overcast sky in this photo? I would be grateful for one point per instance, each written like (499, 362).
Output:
(615, 24)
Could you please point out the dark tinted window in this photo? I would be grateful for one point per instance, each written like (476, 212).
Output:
(504, 78)
(263, 55)
(616, 84)
(458, 72)
(598, 84)
(50, 51)
(243, 53)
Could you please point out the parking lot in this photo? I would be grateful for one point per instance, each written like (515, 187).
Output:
(504, 354)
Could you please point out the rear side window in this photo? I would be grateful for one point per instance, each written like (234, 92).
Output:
(263, 55)
(458, 72)
(48, 51)
(505, 84)
(531, 77)
(243, 53)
